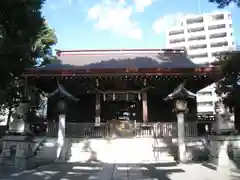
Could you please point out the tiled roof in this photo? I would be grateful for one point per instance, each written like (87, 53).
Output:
(123, 59)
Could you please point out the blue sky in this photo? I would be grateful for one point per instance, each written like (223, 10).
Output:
(99, 24)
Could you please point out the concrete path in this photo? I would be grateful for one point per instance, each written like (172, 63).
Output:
(117, 172)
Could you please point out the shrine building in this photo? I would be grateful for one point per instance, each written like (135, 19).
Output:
(122, 84)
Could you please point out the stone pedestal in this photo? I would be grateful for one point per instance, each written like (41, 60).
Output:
(224, 151)
(181, 138)
(16, 150)
(61, 137)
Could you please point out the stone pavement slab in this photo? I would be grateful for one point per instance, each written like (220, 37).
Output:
(76, 171)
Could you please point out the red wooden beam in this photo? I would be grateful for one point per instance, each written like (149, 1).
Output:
(119, 71)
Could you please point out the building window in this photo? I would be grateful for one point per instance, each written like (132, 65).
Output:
(204, 55)
(209, 104)
(195, 20)
(183, 48)
(219, 44)
(197, 38)
(197, 29)
(217, 26)
(176, 32)
(218, 35)
(218, 17)
(199, 46)
(205, 93)
(177, 40)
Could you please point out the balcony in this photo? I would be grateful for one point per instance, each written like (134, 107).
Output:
(175, 31)
(218, 31)
(197, 42)
(216, 27)
(194, 52)
(216, 50)
(177, 40)
(201, 60)
(176, 36)
(196, 34)
(220, 40)
(205, 109)
(195, 25)
(219, 22)
(175, 45)
(194, 19)
(205, 98)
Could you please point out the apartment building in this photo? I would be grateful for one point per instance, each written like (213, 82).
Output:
(203, 36)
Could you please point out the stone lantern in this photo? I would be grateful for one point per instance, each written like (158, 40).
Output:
(179, 98)
(62, 98)
(18, 141)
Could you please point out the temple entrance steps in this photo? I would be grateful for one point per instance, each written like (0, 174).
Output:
(121, 150)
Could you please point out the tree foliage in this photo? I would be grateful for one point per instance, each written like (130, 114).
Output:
(25, 37)
(20, 24)
(42, 48)
(224, 3)
(229, 85)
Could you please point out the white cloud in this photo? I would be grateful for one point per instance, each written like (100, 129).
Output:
(115, 16)
(167, 21)
(142, 4)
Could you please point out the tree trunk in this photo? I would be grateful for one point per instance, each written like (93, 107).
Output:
(237, 120)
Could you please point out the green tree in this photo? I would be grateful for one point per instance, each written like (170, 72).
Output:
(229, 86)
(25, 37)
(20, 25)
(42, 48)
(224, 3)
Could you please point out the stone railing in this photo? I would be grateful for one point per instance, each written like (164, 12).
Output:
(157, 129)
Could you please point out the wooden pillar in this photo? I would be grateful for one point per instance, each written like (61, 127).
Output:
(144, 107)
(98, 110)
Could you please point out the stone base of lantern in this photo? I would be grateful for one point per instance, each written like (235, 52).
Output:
(16, 151)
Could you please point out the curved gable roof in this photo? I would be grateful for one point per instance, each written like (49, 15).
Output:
(145, 58)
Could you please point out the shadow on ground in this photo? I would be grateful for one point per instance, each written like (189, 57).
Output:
(72, 171)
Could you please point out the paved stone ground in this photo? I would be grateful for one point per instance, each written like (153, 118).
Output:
(118, 172)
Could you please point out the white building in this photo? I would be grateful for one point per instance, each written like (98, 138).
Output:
(203, 36)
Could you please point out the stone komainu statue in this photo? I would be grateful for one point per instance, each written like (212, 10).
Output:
(18, 118)
(224, 123)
